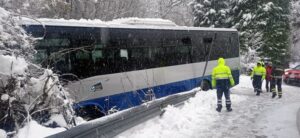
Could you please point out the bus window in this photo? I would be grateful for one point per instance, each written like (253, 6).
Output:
(124, 53)
(139, 58)
(41, 56)
(96, 55)
(53, 42)
(183, 54)
(186, 41)
(82, 63)
(207, 40)
(82, 55)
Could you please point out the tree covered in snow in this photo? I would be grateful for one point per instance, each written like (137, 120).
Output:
(210, 13)
(263, 25)
(273, 20)
(295, 27)
(175, 10)
(27, 91)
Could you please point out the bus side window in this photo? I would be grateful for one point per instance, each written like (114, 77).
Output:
(84, 63)
(124, 53)
(184, 50)
(41, 56)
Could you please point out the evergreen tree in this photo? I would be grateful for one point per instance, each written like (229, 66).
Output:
(263, 25)
(243, 18)
(210, 13)
(295, 28)
(273, 20)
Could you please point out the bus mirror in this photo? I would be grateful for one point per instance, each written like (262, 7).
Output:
(124, 53)
(207, 40)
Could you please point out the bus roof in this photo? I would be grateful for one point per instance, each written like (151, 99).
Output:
(132, 23)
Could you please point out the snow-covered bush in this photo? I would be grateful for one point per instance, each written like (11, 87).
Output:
(248, 61)
(27, 91)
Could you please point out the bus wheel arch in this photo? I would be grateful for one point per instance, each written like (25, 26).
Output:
(205, 85)
(90, 111)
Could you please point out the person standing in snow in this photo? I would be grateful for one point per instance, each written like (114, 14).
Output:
(276, 80)
(222, 80)
(258, 75)
(268, 76)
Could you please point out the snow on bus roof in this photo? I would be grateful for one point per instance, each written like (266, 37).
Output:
(137, 23)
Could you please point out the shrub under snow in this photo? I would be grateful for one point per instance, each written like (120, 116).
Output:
(28, 92)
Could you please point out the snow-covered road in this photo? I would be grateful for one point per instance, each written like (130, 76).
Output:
(252, 117)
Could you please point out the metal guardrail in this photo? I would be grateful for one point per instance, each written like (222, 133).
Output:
(112, 125)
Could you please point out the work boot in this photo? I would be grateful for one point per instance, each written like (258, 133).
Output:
(273, 95)
(219, 108)
(257, 94)
(279, 96)
(228, 107)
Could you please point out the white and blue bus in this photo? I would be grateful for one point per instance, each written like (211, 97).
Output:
(122, 66)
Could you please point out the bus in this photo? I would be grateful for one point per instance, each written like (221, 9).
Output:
(111, 67)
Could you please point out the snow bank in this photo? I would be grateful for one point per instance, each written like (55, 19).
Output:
(196, 114)
(12, 65)
(34, 130)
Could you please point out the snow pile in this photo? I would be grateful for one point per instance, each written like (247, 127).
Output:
(144, 21)
(99, 23)
(35, 130)
(2, 134)
(70, 22)
(12, 65)
(196, 114)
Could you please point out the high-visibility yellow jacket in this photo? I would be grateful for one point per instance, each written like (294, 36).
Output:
(259, 71)
(221, 72)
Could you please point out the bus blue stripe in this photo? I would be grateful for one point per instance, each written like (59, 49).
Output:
(130, 99)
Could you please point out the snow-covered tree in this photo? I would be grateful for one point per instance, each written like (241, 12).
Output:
(243, 17)
(38, 8)
(295, 27)
(27, 91)
(273, 20)
(210, 13)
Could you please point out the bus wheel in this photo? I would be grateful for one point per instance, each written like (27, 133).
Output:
(205, 85)
(90, 112)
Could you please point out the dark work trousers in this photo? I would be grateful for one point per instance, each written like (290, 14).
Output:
(257, 82)
(268, 83)
(276, 82)
(223, 86)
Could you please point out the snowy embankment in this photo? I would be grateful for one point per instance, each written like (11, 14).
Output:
(252, 116)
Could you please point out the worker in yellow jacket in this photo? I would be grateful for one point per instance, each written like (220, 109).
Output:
(258, 75)
(222, 80)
